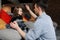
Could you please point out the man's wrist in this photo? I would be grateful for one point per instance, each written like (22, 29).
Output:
(18, 28)
(28, 9)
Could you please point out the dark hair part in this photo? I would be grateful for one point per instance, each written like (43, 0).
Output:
(42, 3)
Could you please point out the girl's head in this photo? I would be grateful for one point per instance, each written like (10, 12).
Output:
(18, 11)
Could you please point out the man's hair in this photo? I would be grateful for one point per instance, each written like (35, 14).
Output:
(42, 3)
(6, 3)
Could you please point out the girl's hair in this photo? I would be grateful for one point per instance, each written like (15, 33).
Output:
(15, 12)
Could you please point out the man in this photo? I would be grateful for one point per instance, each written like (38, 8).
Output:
(5, 18)
(5, 15)
(43, 26)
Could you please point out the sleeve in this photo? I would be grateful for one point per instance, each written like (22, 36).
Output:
(35, 33)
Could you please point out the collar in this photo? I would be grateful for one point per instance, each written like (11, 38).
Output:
(42, 15)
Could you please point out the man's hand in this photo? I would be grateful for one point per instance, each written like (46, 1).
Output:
(14, 25)
(27, 7)
(31, 12)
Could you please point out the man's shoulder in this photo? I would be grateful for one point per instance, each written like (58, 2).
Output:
(44, 20)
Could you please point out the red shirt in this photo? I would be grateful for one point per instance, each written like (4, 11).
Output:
(4, 16)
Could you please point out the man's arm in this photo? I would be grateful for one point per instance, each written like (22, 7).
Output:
(33, 15)
(33, 34)
(15, 26)
(22, 33)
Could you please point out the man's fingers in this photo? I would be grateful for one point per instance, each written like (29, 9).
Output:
(27, 6)
(11, 24)
(15, 22)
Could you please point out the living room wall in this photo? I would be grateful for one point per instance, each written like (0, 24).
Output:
(54, 10)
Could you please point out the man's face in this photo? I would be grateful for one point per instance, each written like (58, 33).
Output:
(8, 9)
(36, 9)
